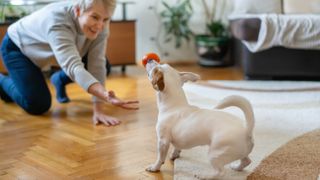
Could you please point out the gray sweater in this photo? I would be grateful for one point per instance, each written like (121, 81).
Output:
(54, 31)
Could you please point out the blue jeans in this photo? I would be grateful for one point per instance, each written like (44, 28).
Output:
(26, 85)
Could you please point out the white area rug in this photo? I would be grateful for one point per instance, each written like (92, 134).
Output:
(283, 111)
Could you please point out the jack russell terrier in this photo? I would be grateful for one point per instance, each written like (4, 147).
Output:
(186, 126)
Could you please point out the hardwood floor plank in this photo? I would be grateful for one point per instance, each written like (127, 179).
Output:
(45, 161)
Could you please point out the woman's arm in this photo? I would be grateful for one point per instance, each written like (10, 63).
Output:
(63, 44)
(99, 91)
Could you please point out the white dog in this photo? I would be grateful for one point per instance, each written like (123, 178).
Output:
(185, 126)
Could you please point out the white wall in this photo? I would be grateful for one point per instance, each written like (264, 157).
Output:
(148, 27)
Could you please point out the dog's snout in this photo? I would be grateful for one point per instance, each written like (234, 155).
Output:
(150, 61)
(150, 65)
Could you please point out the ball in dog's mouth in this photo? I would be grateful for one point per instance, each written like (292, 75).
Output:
(150, 57)
(149, 61)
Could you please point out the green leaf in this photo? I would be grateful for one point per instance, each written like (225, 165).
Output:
(175, 19)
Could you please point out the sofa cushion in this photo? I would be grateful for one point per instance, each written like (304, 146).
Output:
(301, 7)
(257, 6)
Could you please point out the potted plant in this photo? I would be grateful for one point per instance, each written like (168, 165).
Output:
(212, 46)
(10, 12)
(175, 19)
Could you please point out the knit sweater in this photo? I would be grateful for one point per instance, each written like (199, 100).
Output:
(54, 31)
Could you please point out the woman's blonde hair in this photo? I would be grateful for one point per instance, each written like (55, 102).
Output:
(84, 5)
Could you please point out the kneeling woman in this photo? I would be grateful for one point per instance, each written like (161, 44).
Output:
(74, 33)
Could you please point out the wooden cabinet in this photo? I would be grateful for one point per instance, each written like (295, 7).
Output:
(121, 49)
(3, 30)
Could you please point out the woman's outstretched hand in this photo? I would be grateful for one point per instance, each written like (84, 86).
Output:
(98, 90)
(113, 99)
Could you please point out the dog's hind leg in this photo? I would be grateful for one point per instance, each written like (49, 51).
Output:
(244, 162)
(218, 159)
(218, 169)
(163, 146)
(175, 154)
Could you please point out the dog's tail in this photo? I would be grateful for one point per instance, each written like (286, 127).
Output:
(244, 105)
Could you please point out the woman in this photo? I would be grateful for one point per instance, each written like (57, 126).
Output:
(75, 34)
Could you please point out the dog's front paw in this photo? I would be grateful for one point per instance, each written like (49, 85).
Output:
(152, 168)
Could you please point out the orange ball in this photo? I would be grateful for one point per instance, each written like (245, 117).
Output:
(148, 57)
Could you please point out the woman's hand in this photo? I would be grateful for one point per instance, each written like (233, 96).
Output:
(100, 117)
(98, 90)
(113, 99)
(109, 96)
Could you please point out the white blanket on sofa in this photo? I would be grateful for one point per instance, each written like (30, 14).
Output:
(291, 31)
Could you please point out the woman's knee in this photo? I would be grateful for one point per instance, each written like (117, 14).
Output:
(37, 106)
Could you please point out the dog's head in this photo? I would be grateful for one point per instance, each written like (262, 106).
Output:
(164, 75)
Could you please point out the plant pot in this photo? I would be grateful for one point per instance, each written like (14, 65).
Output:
(12, 19)
(212, 51)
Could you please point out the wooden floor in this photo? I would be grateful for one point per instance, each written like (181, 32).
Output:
(63, 144)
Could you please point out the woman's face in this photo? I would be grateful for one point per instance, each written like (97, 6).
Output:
(93, 20)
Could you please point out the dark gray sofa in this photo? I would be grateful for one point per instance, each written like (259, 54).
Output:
(275, 62)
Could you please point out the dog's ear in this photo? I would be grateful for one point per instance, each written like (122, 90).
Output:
(157, 79)
(189, 76)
